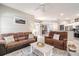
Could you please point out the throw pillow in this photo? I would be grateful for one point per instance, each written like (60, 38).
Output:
(56, 36)
(9, 39)
(31, 36)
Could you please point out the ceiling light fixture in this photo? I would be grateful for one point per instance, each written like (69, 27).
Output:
(42, 9)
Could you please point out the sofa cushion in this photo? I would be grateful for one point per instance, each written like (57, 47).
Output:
(31, 40)
(49, 41)
(56, 36)
(31, 36)
(9, 39)
(21, 38)
(57, 42)
(16, 43)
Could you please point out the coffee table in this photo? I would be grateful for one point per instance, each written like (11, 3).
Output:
(47, 50)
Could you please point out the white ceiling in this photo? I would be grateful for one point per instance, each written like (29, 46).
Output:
(52, 10)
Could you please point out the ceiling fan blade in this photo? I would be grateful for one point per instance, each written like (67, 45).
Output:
(41, 6)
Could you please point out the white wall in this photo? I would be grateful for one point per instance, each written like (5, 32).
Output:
(0, 23)
(8, 24)
(0, 19)
(70, 35)
(63, 22)
(52, 26)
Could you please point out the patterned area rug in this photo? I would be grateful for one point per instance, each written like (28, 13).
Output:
(26, 52)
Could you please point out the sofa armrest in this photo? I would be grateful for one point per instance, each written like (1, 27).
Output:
(2, 49)
(64, 39)
(65, 44)
(35, 37)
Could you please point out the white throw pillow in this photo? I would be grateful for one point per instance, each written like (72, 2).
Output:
(31, 36)
(56, 36)
(9, 39)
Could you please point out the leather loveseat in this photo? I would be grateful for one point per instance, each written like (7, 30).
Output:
(61, 43)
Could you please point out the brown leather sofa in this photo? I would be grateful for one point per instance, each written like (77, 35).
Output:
(21, 40)
(61, 43)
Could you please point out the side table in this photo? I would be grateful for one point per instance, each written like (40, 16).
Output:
(72, 51)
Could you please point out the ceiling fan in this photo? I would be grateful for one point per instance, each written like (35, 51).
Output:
(41, 10)
(41, 7)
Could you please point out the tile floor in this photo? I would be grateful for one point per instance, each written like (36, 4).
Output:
(26, 52)
(56, 52)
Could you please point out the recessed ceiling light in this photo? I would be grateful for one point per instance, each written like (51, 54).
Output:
(61, 14)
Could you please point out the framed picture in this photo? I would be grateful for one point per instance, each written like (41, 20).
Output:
(61, 27)
(20, 20)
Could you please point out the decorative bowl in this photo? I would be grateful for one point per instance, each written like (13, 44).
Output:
(40, 44)
(72, 48)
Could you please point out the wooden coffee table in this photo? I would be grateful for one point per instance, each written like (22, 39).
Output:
(47, 50)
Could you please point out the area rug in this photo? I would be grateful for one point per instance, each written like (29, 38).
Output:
(26, 52)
